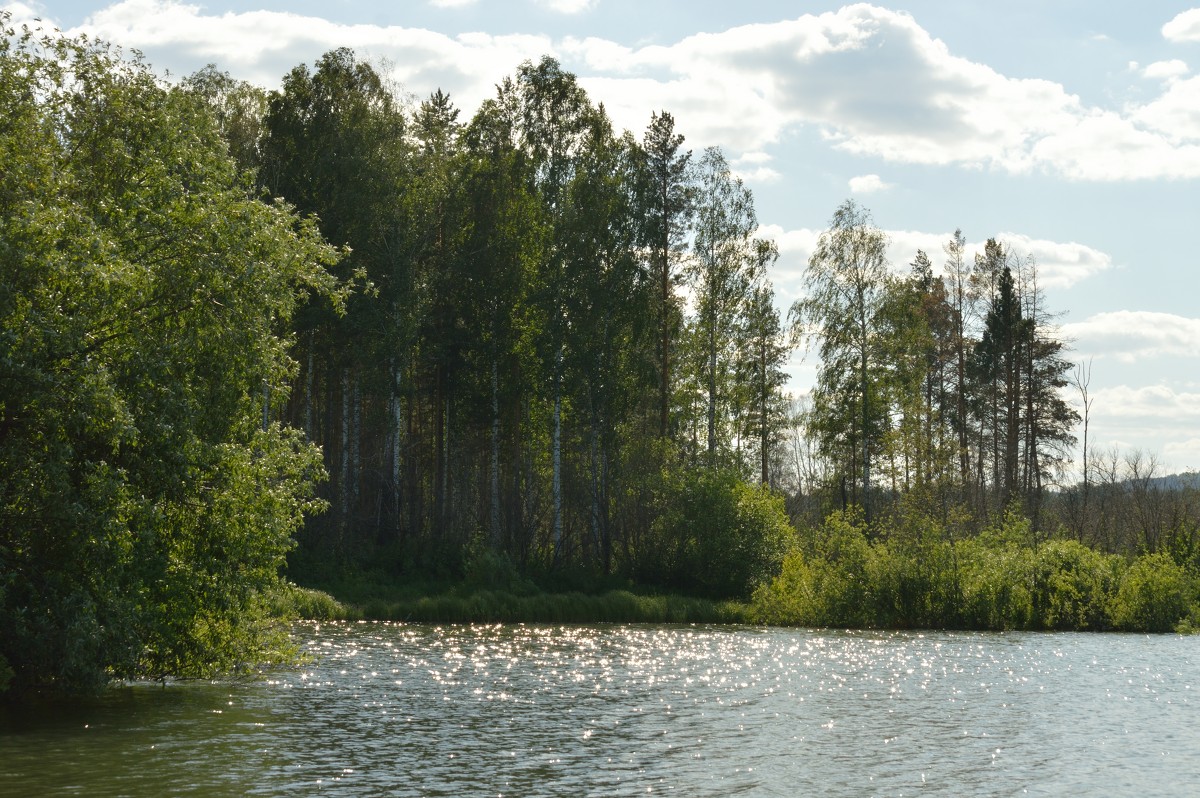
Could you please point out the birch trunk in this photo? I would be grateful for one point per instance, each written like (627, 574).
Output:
(495, 465)
(557, 454)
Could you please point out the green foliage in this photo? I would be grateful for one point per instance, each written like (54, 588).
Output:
(144, 507)
(488, 569)
(915, 575)
(825, 582)
(1002, 579)
(1074, 586)
(1154, 596)
(291, 602)
(718, 535)
(498, 606)
(848, 282)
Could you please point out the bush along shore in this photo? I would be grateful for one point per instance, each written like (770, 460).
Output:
(844, 574)
(919, 576)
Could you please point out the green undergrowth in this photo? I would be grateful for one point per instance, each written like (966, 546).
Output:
(465, 605)
(907, 574)
(1003, 579)
(485, 586)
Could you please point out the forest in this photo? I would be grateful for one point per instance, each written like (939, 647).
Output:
(331, 332)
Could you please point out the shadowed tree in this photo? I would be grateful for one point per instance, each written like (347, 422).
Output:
(667, 202)
(145, 509)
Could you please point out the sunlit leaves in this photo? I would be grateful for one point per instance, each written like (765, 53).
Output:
(143, 305)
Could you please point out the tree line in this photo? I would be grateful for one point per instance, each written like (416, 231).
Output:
(521, 338)
(949, 386)
(548, 317)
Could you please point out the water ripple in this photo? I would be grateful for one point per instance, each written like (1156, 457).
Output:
(407, 710)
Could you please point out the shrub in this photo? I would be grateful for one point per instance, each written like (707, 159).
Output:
(289, 601)
(997, 582)
(915, 574)
(1074, 586)
(1154, 595)
(828, 586)
(6, 675)
(484, 568)
(720, 536)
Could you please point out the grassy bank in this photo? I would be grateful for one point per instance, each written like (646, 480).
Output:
(499, 606)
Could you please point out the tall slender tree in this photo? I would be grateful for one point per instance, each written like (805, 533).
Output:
(847, 282)
(765, 348)
(961, 298)
(723, 269)
(553, 117)
(999, 359)
(335, 148)
(667, 197)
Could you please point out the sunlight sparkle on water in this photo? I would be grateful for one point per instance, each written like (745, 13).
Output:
(611, 710)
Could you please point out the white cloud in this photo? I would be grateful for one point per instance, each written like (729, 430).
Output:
(1133, 335)
(182, 37)
(872, 81)
(1146, 421)
(23, 14)
(1166, 70)
(877, 84)
(1143, 421)
(567, 6)
(452, 3)
(1176, 114)
(787, 275)
(868, 184)
(1059, 265)
(753, 167)
(1186, 453)
(1185, 27)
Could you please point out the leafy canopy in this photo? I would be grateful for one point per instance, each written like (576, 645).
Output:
(145, 508)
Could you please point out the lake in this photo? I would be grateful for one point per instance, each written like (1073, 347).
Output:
(414, 710)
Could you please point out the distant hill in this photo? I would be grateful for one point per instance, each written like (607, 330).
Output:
(1186, 481)
(1177, 481)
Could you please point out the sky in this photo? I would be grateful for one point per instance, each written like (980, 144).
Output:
(1068, 129)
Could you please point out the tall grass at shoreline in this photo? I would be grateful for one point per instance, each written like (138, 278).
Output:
(498, 606)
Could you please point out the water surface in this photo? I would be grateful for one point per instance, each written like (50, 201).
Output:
(411, 710)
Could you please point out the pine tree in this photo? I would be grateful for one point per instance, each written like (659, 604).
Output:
(667, 198)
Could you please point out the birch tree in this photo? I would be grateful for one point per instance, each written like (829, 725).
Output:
(721, 273)
(846, 283)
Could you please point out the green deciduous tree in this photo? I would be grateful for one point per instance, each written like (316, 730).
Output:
(847, 282)
(726, 263)
(145, 509)
(553, 119)
(239, 108)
